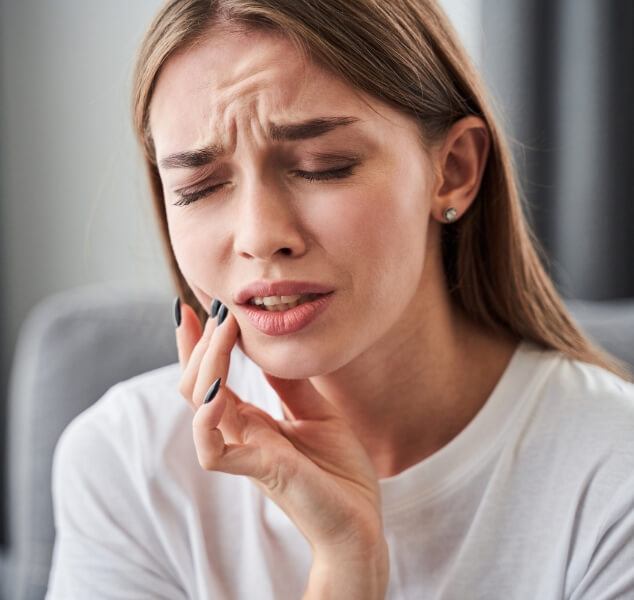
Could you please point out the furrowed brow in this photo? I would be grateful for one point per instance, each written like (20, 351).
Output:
(192, 158)
(308, 129)
(283, 132)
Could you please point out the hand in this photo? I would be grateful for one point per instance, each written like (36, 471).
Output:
(311, 464)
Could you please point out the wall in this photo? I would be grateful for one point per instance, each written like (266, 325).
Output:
(73, 205)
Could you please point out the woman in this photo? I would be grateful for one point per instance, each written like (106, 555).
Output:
(388, 398)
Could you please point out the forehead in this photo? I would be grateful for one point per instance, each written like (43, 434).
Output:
(230, 78)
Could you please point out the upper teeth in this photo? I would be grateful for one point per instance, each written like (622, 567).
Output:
(273, 300)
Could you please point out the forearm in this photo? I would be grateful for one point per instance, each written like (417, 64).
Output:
(349, 578)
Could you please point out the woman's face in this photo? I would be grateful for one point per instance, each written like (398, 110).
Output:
(362, 233)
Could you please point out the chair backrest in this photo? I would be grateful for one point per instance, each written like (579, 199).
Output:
(77, 344)
(72, 347)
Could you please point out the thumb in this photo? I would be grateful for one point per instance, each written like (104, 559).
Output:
(302, 399)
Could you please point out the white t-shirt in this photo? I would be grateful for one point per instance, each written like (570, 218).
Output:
(533, 500)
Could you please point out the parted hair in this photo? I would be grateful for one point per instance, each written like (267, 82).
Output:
(405, 53)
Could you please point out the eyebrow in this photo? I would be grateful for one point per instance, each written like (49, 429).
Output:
(304, 130)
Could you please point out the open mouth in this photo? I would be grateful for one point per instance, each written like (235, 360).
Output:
(282, 303)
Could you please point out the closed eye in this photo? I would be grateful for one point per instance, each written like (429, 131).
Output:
(188, 198)
(321, 175)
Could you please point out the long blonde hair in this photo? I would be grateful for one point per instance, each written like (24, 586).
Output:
(405, 53)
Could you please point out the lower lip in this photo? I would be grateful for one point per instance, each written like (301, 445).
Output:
(286, 321)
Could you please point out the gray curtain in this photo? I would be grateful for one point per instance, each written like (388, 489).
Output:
(561, 72)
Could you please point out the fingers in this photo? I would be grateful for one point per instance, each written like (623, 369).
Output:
(217, 423)
(221, 435)
(215, 359)
(188, 332)
(221, 429)
(190, 371)
(214, 455)
(194, 343)
(204, 355)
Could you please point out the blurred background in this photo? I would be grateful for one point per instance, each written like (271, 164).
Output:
(74, 208)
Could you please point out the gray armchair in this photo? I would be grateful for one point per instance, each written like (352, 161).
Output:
(71, 349)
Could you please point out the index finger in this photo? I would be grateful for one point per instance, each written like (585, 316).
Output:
(216, 359)
(188, 332)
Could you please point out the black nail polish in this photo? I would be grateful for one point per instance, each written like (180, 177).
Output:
(177, 311)
(222, 314)
(213, 390)
(215, 305)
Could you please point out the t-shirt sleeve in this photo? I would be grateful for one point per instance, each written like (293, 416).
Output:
(610, 573)
(105, 544)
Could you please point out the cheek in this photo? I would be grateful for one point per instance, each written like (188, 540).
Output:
(377, 238)
(351, 225)
(195, 245)
(377, 231)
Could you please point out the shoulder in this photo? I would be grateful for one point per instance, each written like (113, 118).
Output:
(575, 434)
(580, 409)
(590, 449)
(596, 405)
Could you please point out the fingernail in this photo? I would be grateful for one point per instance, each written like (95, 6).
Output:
(222, 314)
(215, 305)
(213, 390)
(177, 312)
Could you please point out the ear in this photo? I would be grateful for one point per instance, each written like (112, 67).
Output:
(459, 164)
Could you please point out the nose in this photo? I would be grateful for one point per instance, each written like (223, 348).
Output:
(267, 224)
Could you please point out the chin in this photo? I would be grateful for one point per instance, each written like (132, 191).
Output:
(285, 362)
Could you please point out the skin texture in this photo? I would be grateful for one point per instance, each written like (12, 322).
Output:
(395, 365)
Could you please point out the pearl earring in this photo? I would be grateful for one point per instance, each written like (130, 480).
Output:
(450, 214)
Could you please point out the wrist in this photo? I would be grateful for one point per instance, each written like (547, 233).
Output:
(361, 574)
